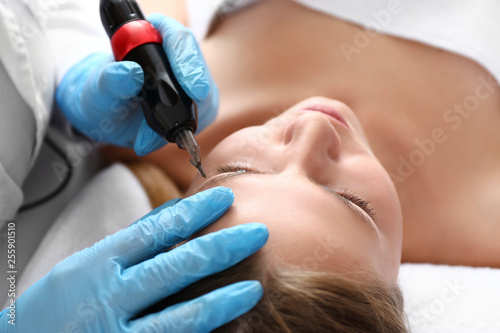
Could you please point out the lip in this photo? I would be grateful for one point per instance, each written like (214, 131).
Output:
(329, 111)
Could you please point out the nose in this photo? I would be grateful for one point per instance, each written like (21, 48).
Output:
(311, 142)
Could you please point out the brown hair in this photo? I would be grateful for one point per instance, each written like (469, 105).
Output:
(306, 302)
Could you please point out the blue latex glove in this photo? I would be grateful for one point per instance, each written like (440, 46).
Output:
(100, 289)
(97, 95)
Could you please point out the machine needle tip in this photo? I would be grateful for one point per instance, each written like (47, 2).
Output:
(200, 170)
(185, 140)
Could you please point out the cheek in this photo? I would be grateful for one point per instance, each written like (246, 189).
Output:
(367, 176)
(390, 223)
(373, 182)
(313, 234)
(391, 207)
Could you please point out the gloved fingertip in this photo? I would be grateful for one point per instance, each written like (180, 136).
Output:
(257, 233)
(116, 71)
(221, 194)
(138, 74)
(151, 146)
(222, 191)
(200, 91)
(236, 299)
(147, 140)
(251, 289)
(194, 213)
(122, 79)
(210, 204)
(241, 240)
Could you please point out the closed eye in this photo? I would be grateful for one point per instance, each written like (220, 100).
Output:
(236, 167)
(358, 201)
(347, 196)
(345, 193)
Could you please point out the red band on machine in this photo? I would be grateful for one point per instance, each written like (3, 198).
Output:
(131, 35)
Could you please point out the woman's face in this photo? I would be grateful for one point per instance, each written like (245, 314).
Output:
(311, 177)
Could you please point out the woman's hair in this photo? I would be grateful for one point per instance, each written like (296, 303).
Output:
(306, 301)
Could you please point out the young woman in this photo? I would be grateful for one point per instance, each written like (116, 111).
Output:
(430, 115)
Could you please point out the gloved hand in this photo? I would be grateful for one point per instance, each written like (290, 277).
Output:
(102, 288)
(97, 94)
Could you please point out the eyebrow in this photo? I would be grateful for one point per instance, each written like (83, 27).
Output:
(217, 179)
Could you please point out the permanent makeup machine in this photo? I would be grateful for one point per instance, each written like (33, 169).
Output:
(167, 108)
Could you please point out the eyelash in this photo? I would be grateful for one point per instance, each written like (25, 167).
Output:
(235, 167)
(344, 193)
(361, 203)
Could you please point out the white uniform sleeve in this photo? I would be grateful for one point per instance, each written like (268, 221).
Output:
(26, 95)
(73, 29)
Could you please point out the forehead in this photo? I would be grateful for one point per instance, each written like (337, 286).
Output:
(308, 227)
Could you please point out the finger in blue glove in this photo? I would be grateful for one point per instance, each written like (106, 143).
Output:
(102, 288)
(95, 96)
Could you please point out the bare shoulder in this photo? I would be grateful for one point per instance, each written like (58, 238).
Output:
(172, 8)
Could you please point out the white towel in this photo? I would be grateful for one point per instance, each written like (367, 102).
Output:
(451, 299)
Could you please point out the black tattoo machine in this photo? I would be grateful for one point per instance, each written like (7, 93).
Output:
(167, 108)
